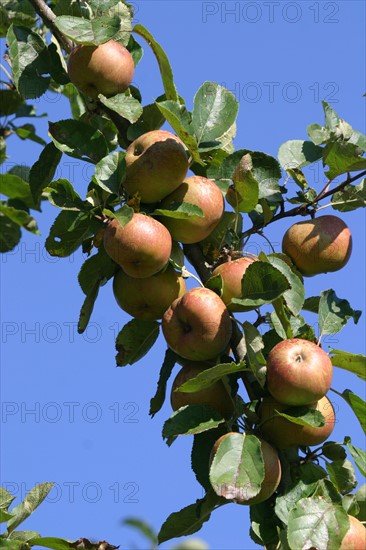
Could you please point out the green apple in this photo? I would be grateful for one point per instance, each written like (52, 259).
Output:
(283, 433)
(318, 246)
(197, 326)
(298, 372)
(232, 273)
(106, 69)
(215, 396)
(148, 299)
(156, 164)
(203, 193)
(142, 247)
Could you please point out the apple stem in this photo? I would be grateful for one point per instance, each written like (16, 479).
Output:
(186, 274)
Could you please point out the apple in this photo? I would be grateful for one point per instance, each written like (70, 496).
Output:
(197, 326)
(215, 396)
(142, 247)
(283, 433)
(272, 470)
(232, 273)
(355, 538)
(203, 193)
(105, 69)
(156, 164)
(148, 299)
(298, 372)
(318, 246)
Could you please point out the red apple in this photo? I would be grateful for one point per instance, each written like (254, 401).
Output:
(148, 299)
(156, 164)
(283, 433)
(215, 396)
(318, 246)
(142, 247)
(203, 193)
(355, 538)
(232, 273)
(272, 471)
(298, 372)
(105, 69)
(198, 325)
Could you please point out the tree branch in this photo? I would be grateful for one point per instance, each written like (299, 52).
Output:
(48, 18)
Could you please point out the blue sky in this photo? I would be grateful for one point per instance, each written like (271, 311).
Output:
(90, 431)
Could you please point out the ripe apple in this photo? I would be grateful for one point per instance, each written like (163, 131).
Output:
(283, 433)
(142, 247)
(148, 299)
(203, 193)
(318, 246)
(355, 538)
(232, 273)
(156, 164)
(105, 69)
(215, 396)
(197, 326)
(298, 372)
(272, 471)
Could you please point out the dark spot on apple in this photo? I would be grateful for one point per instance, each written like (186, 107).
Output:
(186, 328)
(137, 150)
(298, 358)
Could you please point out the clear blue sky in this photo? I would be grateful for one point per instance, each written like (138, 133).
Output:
(90, 431)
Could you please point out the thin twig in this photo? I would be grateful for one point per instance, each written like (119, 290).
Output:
(48, 18)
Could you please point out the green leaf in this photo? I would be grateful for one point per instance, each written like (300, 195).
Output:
(91, 31)
(126, 106)
(214, 112)
(32, 500)
(163, 61)
(187, 521)
(18, 12)
(237, 469)
(262, 284)
(360, 496)
(4, 516)
(28, 131)
(13, 544)
(123, 214)
(96, 269)
(110, 172)
(54, 543)
(3, 156)
(179, 119)
(43, 170)
(157, 401)
(358, 406)
(334, 313)
(63, 195)
(350, 198)
(179, 210)
(342, 157)
(10, 101)
(191, 419)
(15, 187)
(342, 475)
(352, 362)
(333, 451)
(151, 119)
(210, 376)
(191, 544)
(69, 231)
(78, 140)
(316, 523)
(5, 498)
(296, 153)
(10, 233)
(24, 536)
(295, 296)
(358, 455)
(20, 217)
(303, 416)
(30, 60)
(135, 340)
(87, 308)
(254, 346)
(200, 455)
(301, 488)
(142, 527)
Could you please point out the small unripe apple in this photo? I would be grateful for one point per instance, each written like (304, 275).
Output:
(203, 193)
(148, 299)
(318, 246)
(142, 247)
(272, 471)
(215, 396)
(156, 164)
(298, 372)
(105, 69)
(232, 273)
(355, 538)
(283, 433)
(197, 326)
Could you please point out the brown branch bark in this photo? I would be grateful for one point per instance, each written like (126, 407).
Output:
(48, 18)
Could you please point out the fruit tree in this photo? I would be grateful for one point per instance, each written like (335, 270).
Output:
(166, 222)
